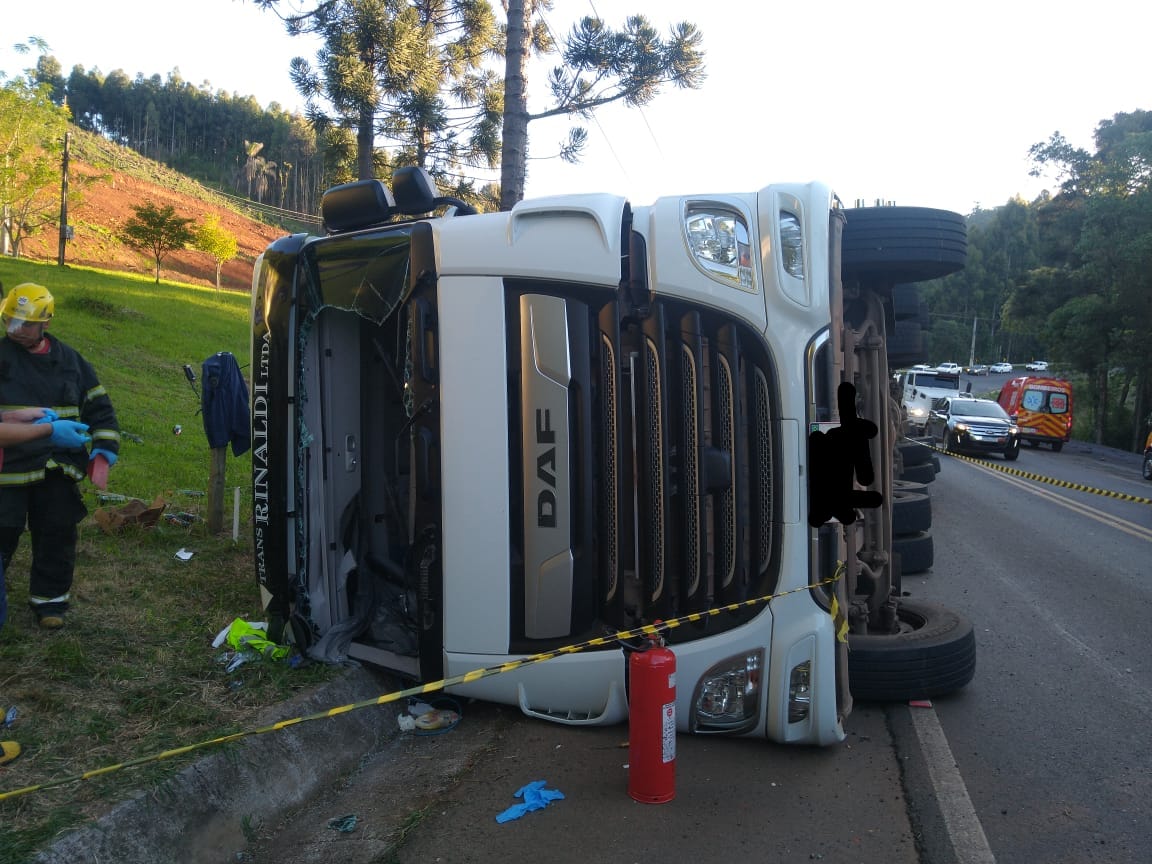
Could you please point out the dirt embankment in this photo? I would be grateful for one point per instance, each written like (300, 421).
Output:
(100, 202)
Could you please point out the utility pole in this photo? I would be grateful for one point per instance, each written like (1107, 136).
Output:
(64, 201)
(972, 348)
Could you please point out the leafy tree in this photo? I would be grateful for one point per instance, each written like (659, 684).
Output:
(32, 131)
(1102, 233)
(217, 241)
(157, 231)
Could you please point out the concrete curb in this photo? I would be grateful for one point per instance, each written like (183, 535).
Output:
(201, 813)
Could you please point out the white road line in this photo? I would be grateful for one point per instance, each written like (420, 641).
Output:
(964, 829)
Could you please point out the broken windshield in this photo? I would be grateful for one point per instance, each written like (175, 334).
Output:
(367, 274)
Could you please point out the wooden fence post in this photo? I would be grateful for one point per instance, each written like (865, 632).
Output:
(216, 490)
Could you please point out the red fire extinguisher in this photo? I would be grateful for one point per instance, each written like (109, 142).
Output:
(652, 724)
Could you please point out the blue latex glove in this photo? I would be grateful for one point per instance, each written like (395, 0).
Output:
(107, 454)
(49, 416)
(68, 434)
(535, 796)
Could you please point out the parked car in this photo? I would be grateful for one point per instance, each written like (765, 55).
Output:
(949, 367)
(1037, 366)
(922, 367)
(976, 369)
(1000, 368)
(978, 425)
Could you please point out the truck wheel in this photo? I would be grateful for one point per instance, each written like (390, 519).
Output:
(914, 453)
(1057, 446)
(1148, 467)
(903, 244)
(911, 512)
(911, 486)
(905, 344)
(905, 303)
(919, 473)
(916, 552)
(933, 653)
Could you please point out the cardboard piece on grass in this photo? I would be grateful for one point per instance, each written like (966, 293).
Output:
(135, 512)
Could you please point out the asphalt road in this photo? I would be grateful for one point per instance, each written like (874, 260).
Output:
(1050, 738)
(734, 800)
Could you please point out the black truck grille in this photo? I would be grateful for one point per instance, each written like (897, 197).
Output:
(669, 449)
(610, 421)
(696, 523)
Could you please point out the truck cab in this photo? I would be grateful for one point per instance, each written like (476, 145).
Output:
(926, 391)
(480, 438)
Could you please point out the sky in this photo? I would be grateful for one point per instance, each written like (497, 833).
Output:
(917, 103)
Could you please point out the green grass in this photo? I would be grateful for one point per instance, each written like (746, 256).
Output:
(134, 672)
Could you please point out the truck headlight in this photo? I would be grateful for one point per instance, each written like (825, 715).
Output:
(800, 692)
(916, 412)
(727, 697)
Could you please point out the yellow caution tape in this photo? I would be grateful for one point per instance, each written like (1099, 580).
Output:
(1052, 481)
(431, 687)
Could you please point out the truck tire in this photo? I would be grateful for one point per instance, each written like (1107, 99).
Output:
(906, 302)
(919, 473)
(903, 244)
(911, 486)
(905, 344)
(911, 512)
(914, 453)
(915, 550)
(1148, 467)
(934, 653)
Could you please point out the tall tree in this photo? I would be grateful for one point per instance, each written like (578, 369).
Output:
(157, 231)
(600, 66)
(409, 71)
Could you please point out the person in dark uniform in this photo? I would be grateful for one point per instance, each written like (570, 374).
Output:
(17, 427)
(39, 479)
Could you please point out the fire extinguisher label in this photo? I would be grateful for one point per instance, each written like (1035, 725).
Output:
(668, 733)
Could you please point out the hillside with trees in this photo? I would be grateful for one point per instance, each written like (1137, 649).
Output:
(1067, 278)
(108, 181)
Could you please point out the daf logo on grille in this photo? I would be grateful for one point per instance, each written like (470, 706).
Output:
(545, 469)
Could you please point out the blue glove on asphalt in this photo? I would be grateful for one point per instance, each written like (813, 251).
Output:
(535, 797)
(107, 454)
(68, 434)
(48, 417)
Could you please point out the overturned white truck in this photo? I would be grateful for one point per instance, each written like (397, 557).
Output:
(479, 437)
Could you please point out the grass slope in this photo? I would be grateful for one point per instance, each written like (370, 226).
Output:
(134, 673)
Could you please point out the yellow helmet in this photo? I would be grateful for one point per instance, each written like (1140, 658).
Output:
(28, 302)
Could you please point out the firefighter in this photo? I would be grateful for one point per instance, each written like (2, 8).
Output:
(39, 480)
